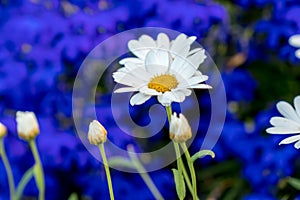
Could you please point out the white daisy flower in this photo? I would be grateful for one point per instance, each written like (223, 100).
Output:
(295, 42)
(289, 123)
(170, 79)
(27, 125)
(145, 44)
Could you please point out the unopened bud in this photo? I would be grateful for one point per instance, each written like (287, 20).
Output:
(2, 130)
(97, 133)
(180, 130)
(27, 125)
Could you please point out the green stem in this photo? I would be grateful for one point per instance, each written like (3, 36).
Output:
(178, 156)
(25, 179)
(102, 151)
(145, 176)
(169, 113)
(38, 170)
(186, 177)
(7, 169)
(192, 169)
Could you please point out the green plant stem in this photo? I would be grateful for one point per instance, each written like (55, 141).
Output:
(102, 151)
(7, 169)
(39, 172)
(145, 176)
(25, 179)
(178, 156)
(186, 177)
(192, 169)
(180, 164)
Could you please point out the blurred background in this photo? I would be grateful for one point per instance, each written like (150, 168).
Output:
(43, 44)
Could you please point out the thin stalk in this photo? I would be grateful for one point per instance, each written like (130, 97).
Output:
(192, 169)
(179, 161)
(186, 177)
(38, 170)
(102, 151)
(7, 169)
(143, 173)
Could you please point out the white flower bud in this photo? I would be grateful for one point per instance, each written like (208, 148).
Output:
(2, 130)
(27, 125)
(180, 130)
(97, 133)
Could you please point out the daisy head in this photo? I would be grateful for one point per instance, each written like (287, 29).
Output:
(27, 125)
(289, 123)
(169, 77)
(97, 133)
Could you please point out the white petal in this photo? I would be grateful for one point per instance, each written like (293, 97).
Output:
(157, 62)
(297, 53)
(139, 98)
(297, 104)
(287, 111)
(126, 89)
(138, 49)
(297, 145)
(127, 79)
(194, 51)
(147, 41)
(172, 96)
(197, 58)
(295, 40)
(163, 41)
(192, 81)
(283, 122)
(177, 64)
(290, 139)
(132, 60)
(281, 130)
(192, 39)
(178, 44)
(201, 86)
(149, 91)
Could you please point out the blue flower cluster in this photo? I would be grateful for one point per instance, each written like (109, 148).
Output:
(43, 44)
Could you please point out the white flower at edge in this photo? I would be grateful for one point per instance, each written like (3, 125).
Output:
(27, 125)
(97, 133)
(171, 80)
(289, 123)
(180, 130)
(145, 44)
(295, 42)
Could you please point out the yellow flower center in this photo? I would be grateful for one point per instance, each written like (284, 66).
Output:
(163, 83)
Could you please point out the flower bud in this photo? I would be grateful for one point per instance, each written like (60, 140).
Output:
(2, 130)
(27, 125)
(97, 133)
(180, 130)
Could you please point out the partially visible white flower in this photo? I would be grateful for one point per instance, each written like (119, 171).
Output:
(180, 130)
(2, 130)
(145, 44)
(170, 79)
(97, 133)
(295, 42)
(289, 123)
(27, 125)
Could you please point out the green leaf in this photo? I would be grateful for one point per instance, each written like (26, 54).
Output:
(73, 196)
(38, 176)
(120, 162)
(25, 179)
(201, 154)
(294, 182)
(179, 182)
